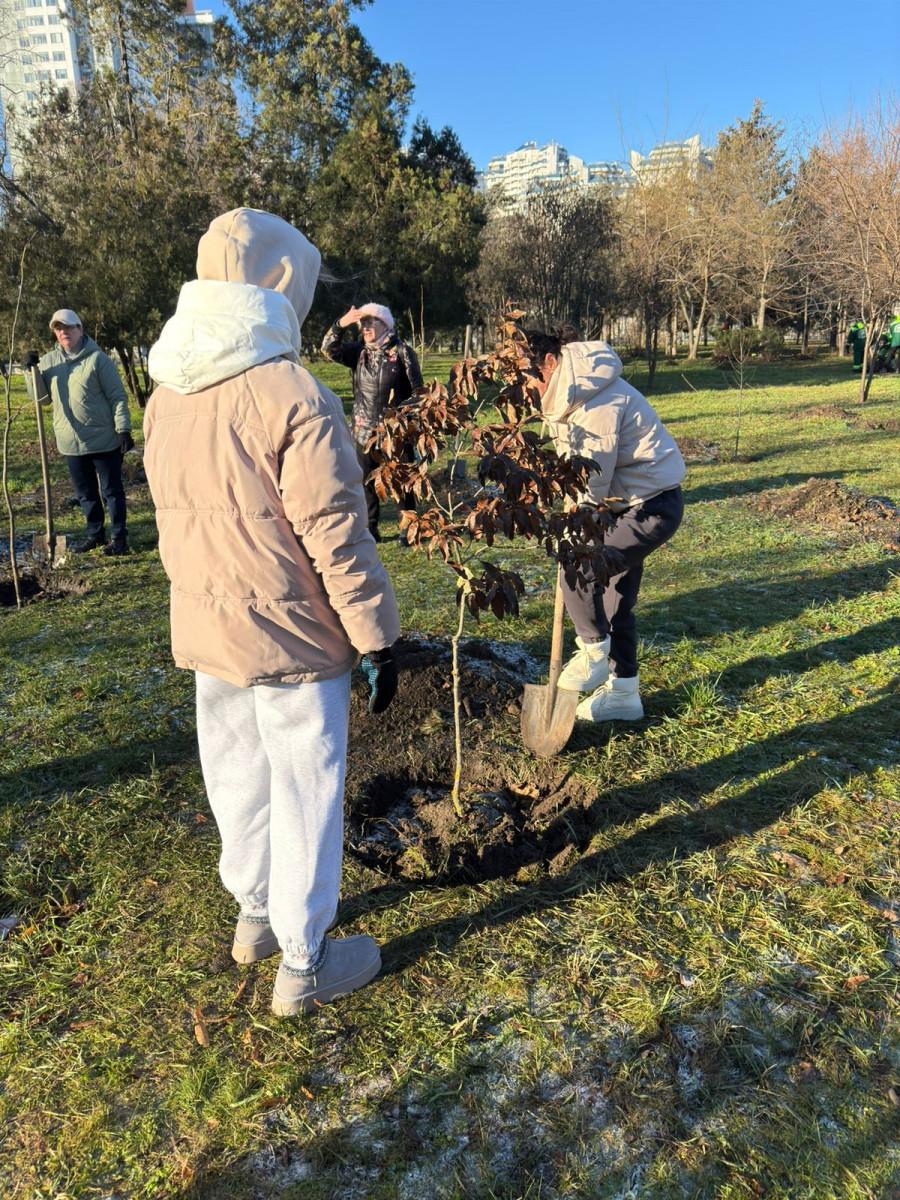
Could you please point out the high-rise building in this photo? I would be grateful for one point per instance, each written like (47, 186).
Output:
(532, 167)
(667, 157)
(49, 44)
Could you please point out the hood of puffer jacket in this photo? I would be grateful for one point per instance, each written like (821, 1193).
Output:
(256, 281)
(585, 368)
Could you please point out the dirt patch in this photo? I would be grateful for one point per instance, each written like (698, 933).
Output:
(828, 412)
(695, 450)
(886, 425)
(828, 504)
(854, 418)
(401, 818)
(40, 584)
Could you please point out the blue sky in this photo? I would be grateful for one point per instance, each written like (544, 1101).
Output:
(602, 76)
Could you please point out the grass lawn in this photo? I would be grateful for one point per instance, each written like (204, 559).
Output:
(701, 1003)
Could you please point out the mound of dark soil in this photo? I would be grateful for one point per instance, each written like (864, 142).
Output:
(695, 450)
(828, 504)
(37, 584)
(854, 418)
(401, 818)
(884, 425)
(829, 412)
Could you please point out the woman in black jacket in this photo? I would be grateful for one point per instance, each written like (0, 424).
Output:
(385, 372)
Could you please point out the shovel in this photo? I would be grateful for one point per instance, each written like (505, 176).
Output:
(548, 712)
(45, 545)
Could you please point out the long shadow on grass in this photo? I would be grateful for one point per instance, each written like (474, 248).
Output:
(725, 489)
(752, 671)
(793, 776)
(751, 604)
(98, 768)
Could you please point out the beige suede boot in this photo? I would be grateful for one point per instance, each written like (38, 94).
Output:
(346, 964)
(587, 669)
(617, 700)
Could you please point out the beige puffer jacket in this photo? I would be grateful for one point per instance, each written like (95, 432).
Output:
(593, 412)
(259, 498)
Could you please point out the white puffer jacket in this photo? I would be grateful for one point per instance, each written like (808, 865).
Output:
(591, 411)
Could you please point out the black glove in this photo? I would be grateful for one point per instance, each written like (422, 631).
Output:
(31, 359)
(126, 441)
(380, 671)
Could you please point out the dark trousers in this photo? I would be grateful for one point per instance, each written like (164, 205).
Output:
(373, 508)
(598, 612)
(93, 474)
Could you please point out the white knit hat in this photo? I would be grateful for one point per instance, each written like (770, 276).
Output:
(379, 311)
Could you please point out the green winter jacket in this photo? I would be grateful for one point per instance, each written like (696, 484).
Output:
(90, 407)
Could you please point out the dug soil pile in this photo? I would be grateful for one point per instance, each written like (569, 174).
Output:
(828, 504)
(696, 450)
(401, 818)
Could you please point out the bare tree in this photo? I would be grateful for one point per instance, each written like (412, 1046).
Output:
(551, 255)
(851, 182)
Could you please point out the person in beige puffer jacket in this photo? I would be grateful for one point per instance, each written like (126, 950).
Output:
(276, 590)
(592, 412)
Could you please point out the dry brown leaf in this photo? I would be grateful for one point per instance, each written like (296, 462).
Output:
(805, 1072)
(201, 1032)
(884, 908)
(794, 861)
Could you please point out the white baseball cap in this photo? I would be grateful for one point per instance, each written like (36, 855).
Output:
(65, 316)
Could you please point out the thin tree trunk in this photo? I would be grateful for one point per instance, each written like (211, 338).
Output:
(804, 339)
(457, 723)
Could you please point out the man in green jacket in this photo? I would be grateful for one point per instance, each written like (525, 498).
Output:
(91, 424)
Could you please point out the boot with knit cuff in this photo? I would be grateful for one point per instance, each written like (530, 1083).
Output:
(254, 938)
(343, 965)
(587, 669)
(617, 700)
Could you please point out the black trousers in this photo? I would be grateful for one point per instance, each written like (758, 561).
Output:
(373, 507)
(93, 474)
(599, 612)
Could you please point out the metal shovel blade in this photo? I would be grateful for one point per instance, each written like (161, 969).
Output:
(548, 718)
(41, 548)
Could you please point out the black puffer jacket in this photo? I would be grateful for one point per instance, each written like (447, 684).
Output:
(392, 368)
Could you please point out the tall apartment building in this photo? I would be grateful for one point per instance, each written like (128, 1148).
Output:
(532, 167)
(47, 43)
(667, 157)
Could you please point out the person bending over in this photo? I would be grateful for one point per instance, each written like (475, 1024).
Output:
(591, 411)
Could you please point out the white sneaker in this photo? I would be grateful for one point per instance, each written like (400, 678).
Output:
(617, 700)
(587, 669)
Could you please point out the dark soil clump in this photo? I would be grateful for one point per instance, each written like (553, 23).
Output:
(830, 412)
(696, 450)
(826, 503)
(39, 584)
(401, 818)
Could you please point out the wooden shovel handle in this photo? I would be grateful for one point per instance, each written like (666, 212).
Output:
(556, 642)
(45, 469)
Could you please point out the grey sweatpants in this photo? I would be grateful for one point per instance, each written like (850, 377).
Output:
(274, 759)
(598, 612)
